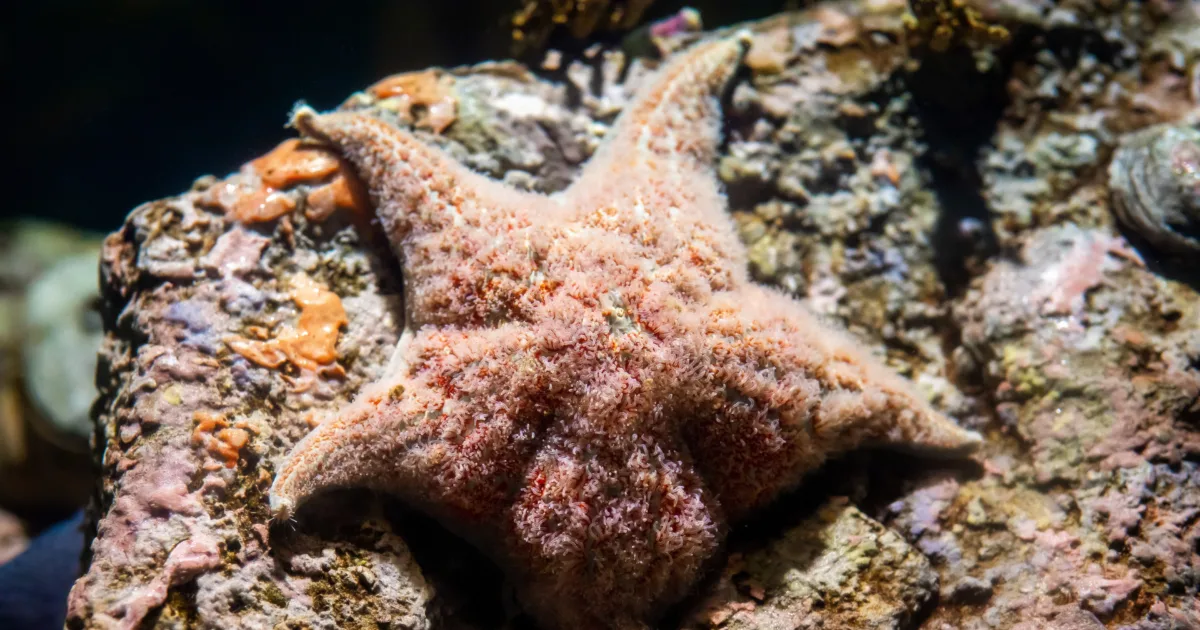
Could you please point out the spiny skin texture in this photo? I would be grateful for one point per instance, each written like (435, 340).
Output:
(592, 388)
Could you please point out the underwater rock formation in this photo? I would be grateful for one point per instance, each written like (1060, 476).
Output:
(836, 569)
(1069, 348)
(1155, 182)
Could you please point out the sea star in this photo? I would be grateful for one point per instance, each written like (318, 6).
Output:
(590, 387)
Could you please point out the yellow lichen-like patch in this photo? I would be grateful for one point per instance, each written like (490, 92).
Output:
(536, 19)
(308, 345)
(172, 394)
(941, 24)
(429, 90)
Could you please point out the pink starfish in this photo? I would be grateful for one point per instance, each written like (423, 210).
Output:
(590, 387)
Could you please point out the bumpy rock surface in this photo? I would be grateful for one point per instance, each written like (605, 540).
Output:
(956, 216)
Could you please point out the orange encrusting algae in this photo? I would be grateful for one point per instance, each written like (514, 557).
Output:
(338, 194)
(218, 438)
(312, 342)
(290, 163)
(431, 90)
(249, 204)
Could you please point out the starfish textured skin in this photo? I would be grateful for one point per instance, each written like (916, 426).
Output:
(590, 387)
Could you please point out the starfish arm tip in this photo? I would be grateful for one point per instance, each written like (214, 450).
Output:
(964, 443)
(744, 37)
(302, 118)
(282, 497)
(948, 439)
(972, 440)
(282, 508)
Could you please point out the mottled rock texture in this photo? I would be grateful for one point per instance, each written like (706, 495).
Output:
(954, 215)
(835, 569)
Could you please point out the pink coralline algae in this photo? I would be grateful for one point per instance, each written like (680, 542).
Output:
(589, 386)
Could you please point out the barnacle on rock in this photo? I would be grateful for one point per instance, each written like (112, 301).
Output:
(1155, 183)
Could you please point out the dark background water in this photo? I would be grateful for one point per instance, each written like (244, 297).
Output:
(113, 103)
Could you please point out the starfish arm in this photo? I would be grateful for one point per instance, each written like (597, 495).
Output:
(674, 119)
(608, 529)
(415, 435)
(653, 184)
(663, 147)
(470, 245)
(789, 392)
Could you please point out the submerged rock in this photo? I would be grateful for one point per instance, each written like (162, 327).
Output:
(1155, 181)
(1077, 360)
(837, 569)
